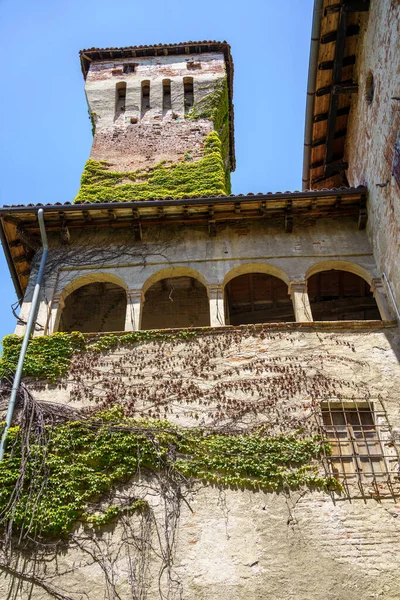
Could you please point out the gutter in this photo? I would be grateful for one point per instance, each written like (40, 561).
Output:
(112, 205)
(27, 335)
(312, 77)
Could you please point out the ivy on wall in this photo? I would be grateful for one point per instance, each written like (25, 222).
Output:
(208, 176)
(204, 177)
(84, 460)
(49, 356)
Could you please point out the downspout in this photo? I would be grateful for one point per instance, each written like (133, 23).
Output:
(391, 295)
(312, 77)
(28, 331)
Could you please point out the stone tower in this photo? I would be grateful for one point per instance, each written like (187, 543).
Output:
(162, 120)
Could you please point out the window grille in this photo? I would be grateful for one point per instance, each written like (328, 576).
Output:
(363, 454)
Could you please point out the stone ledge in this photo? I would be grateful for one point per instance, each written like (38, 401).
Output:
(297, 326)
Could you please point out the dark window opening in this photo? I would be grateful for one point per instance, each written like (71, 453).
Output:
(191, 64)
(120, 98)
(188, 93)
(145, 95)
(257, 298)
(396, 160)
(356, 447)
(166, 94)
(129, 68)
(341, 296)
(95, 307)
(369, 88)
(176, 302)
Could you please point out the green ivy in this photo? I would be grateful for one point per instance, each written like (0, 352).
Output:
(203, 177)
(83, 461)
(215, 106)
(49, 356)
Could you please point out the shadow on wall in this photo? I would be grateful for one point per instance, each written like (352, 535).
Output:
(95, 307)
(176, 302)
(341, 296)
(257, 298)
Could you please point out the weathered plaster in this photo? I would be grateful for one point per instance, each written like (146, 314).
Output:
(373, 130)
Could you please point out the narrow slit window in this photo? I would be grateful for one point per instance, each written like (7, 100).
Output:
(188, 93)
(166, 94)
(120, 98)
(145, 95)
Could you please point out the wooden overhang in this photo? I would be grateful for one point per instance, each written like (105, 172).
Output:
(19, 229)
(334, 89)
(182, 48)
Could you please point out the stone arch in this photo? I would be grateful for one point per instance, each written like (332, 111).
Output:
(340, 265)
(257, 293)
(256, 268)
(175, 297)
(168, 272)
(92, 303)
(341, 291)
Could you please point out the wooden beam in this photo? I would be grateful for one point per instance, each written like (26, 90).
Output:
(344, 88)
(332, 35)
(336, 166)
(336, 79)
(322, 141)
(327, 65)
(341, 112)
(356, 5)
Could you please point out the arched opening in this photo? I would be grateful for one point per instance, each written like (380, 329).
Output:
(175, 302)
(257, 298)
(337, 295)
(166, 94)
(188, 93)
(94, 307)
(120, 98)
(145, 101)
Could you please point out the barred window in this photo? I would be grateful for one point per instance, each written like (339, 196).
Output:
(357, 448)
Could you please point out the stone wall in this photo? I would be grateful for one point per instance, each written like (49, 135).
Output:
(373, 129)
(140, 139)
(237, 543)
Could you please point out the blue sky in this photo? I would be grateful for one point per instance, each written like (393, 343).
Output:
(45, 130)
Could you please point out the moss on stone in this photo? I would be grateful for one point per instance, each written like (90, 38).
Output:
(204, 177)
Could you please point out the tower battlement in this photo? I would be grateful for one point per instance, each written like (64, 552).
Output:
(162, 121)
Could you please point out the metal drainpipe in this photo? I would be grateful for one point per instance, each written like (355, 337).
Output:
(312, 76)
(391, 295)
(25, 341)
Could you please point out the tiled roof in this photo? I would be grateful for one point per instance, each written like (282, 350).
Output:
(287, 194)
(19, 231)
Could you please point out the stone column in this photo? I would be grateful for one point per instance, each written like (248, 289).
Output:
(301, 303)
(57, 306)
(217, 308)
(378, 290)
(133, 308)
